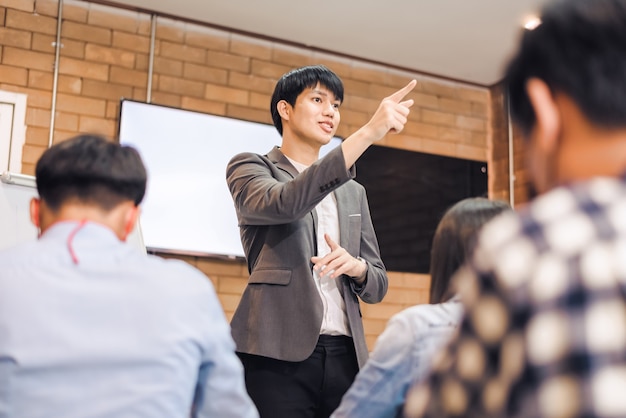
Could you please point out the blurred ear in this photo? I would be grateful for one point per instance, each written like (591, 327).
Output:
(34, 211)
(283, 109)
(130, 220)
(547, 115)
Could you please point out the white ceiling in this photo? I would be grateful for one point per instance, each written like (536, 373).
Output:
(468, 40)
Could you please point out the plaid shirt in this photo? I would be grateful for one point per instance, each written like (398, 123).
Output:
(545, 328)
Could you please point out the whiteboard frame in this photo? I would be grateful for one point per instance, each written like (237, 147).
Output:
(186, 153)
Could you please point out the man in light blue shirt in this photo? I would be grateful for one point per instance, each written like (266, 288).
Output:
(90, 326)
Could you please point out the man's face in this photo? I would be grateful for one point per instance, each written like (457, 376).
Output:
(315, 117)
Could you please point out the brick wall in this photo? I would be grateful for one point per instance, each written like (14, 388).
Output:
(105, 57)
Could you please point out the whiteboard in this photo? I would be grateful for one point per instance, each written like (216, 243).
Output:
(16, 192)
(188, 208)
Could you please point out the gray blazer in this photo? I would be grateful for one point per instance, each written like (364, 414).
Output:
(280, 312)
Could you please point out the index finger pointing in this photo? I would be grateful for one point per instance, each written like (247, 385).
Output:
(399, 95)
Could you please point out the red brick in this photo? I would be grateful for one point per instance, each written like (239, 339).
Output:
(15, 37)
(141, 62)
(131, 42)
(251, 82)
(228, 61)
(455, 106)
(246, 113)
(353, 117)
(23, 5)
(83, 32)
(207, 38)
(340, 66)
(182, 52)
(204, 106)
(113, 18)
(167, 99)
(204, 73)
(268, 69)
(454, 135)
(480, 109)
(181, 86)
(43, 81)
(293, 57)
(13, 75)
(105, 90)
(83, 69)
(66, 121)
(38, 135)
(473, 124)
(440, 88)
(139, 94)
(260, 101)
(169, 30)
(419, 129)
(474, 95)
(471, 153)
(108, 55)
(3, 13)
(438, 118)
(226, 94)
(37, 117)
(250, 47)
(75, 11)
(358, 88)
(31, 153)
(364, 72)
(27, 59)
(31, 22)
(360, 103)
(168, 66)
(112, 110)
(129, 77)
(69, 48)
(100, 126)
(36, 98)
(81, 105)
(424, 100)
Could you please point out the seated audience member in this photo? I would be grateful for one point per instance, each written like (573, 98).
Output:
(404, 351)
(91, 326)
(544, 333)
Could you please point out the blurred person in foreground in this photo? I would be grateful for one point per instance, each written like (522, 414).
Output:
(545, 295)
(404, 351)
(93, 327)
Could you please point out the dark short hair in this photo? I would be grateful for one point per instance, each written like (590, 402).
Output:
(455, 238)
(579, 49)
(89, 169)
(294, 82)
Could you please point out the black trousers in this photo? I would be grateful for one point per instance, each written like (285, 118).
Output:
(308, 389)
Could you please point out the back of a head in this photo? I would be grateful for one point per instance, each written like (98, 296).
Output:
(88, 169)
(291, 84)
(454, 240)
(579, 50)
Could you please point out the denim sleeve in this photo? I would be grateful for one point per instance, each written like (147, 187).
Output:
(380, 387)
(220, 389)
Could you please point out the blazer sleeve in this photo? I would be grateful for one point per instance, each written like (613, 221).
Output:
(374, 288)
(264, 194)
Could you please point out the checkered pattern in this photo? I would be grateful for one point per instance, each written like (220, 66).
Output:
(545, 329)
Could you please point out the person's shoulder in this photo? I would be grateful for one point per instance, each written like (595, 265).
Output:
(18, 253)
(175, 273)
(431, 315)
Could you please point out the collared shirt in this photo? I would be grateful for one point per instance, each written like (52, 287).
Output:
(334, 321)
(545, 330)
(90, 327)
(402, 355)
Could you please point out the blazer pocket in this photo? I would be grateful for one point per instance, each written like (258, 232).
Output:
(279, 277)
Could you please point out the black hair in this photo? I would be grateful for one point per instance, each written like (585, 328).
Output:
(294, 82)
(579, 49)
(89, 169)
(455, 238)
